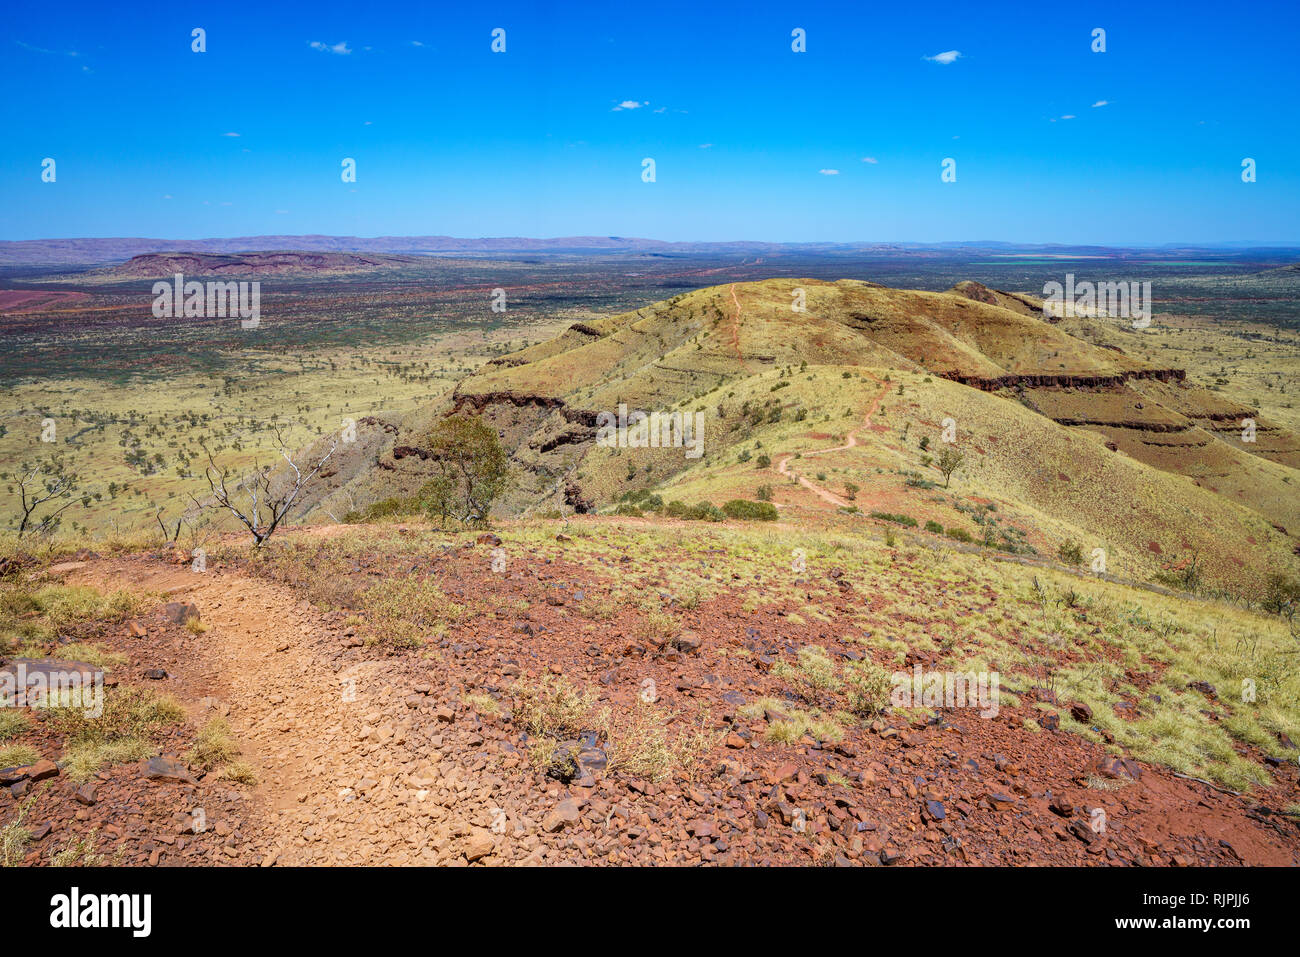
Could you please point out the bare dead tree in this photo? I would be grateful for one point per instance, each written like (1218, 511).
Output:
(191, 520)
(40, 485)
(169, 538)
(200, 529)
(258, 498)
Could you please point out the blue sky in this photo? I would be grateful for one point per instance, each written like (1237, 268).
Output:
(450, 138)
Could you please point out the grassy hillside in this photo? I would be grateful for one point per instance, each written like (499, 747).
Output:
(847, 404)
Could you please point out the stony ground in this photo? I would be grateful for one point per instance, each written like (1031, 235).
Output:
(369, 754)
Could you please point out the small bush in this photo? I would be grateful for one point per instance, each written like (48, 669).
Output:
(1070, 552)
(18, 755)
(78, 852)
(15, 836)
(813, 676)
(551, 706)
(642, 746)
(132, 718)
(906, 520)
(869, 687)
(753, 511)
(395, 507)
(933, 526)
(213, 746)
(241, 772)
(12, 723)
(705, 512)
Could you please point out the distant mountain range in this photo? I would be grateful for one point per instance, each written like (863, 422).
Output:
(280, 263)
(105, 251)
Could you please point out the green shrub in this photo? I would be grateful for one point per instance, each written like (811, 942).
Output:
(753, 511)
(906, 520)
(396, 507)
(814, 675)
(1071, 552)
(706, 512)
(869, 686)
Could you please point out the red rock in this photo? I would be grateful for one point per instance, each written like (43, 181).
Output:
(782, 773)
(561, 816)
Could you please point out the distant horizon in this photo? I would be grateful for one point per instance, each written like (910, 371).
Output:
(618, 237)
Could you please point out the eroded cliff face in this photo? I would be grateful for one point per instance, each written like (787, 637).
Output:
(1052, 380)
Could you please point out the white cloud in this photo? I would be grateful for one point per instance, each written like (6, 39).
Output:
(829, 172)
(28, 46)
(870, 159)
(706, 146)
(416, 43)
(340, 48)
(1068, 116)
(1101, 103)
(948, 56)
(631, 105)
(230, 134)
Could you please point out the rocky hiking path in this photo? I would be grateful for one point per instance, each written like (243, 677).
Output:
(340, 780)
(782, 467)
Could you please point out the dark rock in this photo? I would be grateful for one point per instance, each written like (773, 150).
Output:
(688, 641)
(168, 770)
(178, 613)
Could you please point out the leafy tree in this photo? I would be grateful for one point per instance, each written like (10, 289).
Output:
(1282, 597)
(472, 469)
(438, 497)
(948, 462)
